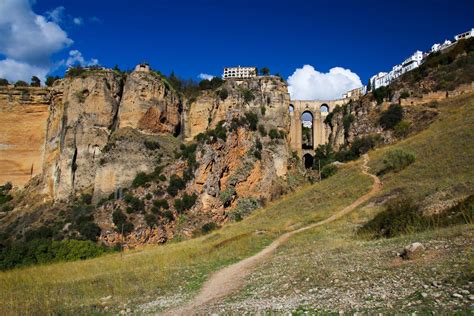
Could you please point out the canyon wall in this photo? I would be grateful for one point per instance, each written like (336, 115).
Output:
(23, 115)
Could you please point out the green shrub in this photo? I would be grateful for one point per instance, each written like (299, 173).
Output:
(396, 160)
(151, 144)
(223, 94)
(405, 94)
(263, 109)
(179, 206)
(402, 128)
(150, 219)
(328, 170)
(89, 230)
(118, 218)
(261, 130)
(226, 196)
(21, 83)
(168, 215)
(5, 198)
(3, 82)
(176, 184)
(161, 204)
(245, 206)
(248, 95)
(189, 200)
(382, 93)
(208, 227)
(42, 232)
(402, 216)
(140, 179)
(86, 198)
(391, 117)
(252, 120)
(273, 133)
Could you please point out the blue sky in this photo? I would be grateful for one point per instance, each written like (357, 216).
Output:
(193, 37)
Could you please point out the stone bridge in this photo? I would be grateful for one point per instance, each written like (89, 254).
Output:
(317, 132)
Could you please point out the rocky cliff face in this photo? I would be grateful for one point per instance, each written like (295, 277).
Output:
(82, 118)
(149, 104)
(23, 115)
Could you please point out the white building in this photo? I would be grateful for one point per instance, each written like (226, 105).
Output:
(464, 35)
(379, 80)
(239, 72)
(412, 62)
(142, 67)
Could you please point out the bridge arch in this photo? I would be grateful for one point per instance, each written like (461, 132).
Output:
(308, 161)
(307, 130)
(291, 109)
(324, 108)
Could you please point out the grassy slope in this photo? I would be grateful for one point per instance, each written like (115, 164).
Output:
(329, 269)
(161, 271)
(141, 276)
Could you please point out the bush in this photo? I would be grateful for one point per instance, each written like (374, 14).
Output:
(35, 82)
(245, 206)
(391, 117)
(261, 130)
(185, 203)
(226, 196)
(405, 94)
(161, 204)
(402, 216)
(402, 128)
(51, 80)
(328, 170)
(223, 94)
(150, 220)
(252, 120)
(4, 82)
(362, 145)
(396, 160)
(44, 251)
(151, 144)
(273, 133)
(381, 93)
(21, 83)
(86, 198)
(179, 206)
(119, 219)
(175, 185)
(248, 96)
(263, 109)
(168, 215)
(140, 179)
(89, 230)
(208, 227)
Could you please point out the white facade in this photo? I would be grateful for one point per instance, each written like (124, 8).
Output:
(239, 72)
(412, 62)
(464, 35)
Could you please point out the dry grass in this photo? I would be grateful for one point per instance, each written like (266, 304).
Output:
(142, 275)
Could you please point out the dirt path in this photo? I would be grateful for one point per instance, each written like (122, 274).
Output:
(230, 278)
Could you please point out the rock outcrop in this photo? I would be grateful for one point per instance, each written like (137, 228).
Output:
(82, 118)
(150, 104)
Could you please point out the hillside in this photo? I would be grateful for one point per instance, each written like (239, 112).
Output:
(332, 268)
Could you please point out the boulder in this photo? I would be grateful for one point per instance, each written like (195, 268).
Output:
(413, 251)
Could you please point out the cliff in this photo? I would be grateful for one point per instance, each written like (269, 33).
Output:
(23, 115)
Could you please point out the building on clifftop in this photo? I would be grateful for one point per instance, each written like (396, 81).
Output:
(239, 72)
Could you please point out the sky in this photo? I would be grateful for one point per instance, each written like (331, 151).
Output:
(323, 48)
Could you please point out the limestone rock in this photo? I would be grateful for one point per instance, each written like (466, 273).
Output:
(149, 104)
(413, 251)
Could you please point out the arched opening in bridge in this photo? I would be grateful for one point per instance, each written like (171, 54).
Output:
(307, 130)
(291, 109)
(308, 161)
(324, 108)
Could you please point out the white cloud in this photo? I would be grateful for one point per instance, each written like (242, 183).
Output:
(14, 70)
(309, 84)
(75, 58)
(77, 21)
(204, 76)
(28, 40)
(56, 15)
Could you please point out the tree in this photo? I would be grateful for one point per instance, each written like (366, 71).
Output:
(21, 83)
(391, 117)
(35, 82)
(369, 85)
(51, 80)
(3, 82)
(264, 71)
